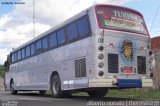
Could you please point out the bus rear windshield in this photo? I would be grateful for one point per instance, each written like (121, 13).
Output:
(122, 19)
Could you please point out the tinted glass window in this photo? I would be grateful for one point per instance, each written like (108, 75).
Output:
(15, 56)
(38, 46)
(72, 31)
(120, 19)
(53, 40)
(19, 54)
(23, 53)
(45, 43)
(33, 49)
(83, 26)
(61, 36)
(12, 57)
(28, 51)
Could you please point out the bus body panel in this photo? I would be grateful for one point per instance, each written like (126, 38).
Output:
(35, 72)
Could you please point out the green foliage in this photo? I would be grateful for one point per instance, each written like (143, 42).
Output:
(135, 93)
(130, 93)
(2, 71)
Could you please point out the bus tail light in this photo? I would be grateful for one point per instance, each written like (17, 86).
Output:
(101, 73)
(150, 53)
(115, 77)
(151, 75)
(100, 56)
(110, 44)
(142, 48)
(142, 77)
(101, 65)
(100, 48)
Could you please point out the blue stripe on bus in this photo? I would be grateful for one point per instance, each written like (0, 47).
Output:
(129, 83)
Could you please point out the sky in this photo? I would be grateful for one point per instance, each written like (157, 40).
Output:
(16, 20)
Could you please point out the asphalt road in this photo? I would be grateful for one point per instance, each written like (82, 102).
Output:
(34, 99)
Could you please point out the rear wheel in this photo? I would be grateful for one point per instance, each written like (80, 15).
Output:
(13, 91)
(97, 93)
(42, 92)
(56, 87)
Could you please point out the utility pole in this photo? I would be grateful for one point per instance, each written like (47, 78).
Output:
(33, 19)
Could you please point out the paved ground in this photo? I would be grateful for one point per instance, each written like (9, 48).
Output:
(34, 99)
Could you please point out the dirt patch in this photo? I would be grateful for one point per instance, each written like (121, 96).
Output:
(1, 83)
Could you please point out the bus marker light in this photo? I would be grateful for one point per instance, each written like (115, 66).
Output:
(115, 77)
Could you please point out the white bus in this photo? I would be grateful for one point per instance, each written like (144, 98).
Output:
(103, 47)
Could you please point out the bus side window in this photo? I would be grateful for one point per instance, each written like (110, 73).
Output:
(19, 55)
(72, 32)
(23, 53)
(45, 43)
(53, 40)
(83, 26)
(28, 51)
(38, 46)
(33, 49)
(61, 36)
(12, 57)
(15, 56)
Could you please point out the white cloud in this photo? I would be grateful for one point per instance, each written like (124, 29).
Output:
(4, 19)
(53, 12)
(3, 55)
(20, 34)
(16, 27)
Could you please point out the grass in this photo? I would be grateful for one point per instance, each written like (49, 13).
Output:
(135, 93)
(2, 71)
(130, 93)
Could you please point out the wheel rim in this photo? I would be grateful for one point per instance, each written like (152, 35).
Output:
(12, 88)
(55, 87)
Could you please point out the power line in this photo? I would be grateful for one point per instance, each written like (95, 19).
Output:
(154, 17)
(111, 1)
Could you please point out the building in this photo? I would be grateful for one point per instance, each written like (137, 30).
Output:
(155, 47)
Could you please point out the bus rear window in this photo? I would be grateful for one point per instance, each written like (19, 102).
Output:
(123, 19)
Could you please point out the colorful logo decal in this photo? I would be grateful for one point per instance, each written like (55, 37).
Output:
(127, 50)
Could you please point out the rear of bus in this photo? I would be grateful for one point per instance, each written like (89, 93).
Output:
(123, 52)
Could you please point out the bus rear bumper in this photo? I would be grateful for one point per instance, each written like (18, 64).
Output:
(147, 83)
(102, 82)
(121, 83)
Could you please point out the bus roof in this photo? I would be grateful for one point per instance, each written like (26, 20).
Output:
(68, 21)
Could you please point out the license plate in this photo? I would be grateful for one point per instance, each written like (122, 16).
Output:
(127, 70)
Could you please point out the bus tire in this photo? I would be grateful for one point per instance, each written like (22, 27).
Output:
(56, 87)
(67, 94)
(13, 91)
(97, 93)
(42, 92)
